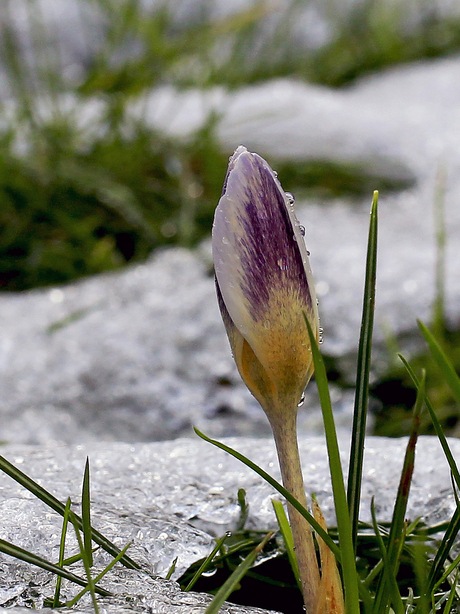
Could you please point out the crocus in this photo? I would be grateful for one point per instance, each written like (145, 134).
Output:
(264, 282)
(264, 288)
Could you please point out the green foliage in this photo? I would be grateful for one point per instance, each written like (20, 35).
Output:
(80, 196)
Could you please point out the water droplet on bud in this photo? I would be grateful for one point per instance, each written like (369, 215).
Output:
(290, 197)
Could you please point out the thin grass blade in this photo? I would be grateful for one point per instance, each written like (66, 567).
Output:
(57, 591)
(437, 425)
(286, 532)
(397, 529)
(33, 559)
(99, 577)
(453, 591)
(448, 540)
(86, 514)
(419, 561)
(230, 584)
(362, 376)
(347, 550)
(444, 365)
(47, 498)
(392, 595)
(205, 564)
(244, 509)
(450, 569)
(172, 569)
(85, 558)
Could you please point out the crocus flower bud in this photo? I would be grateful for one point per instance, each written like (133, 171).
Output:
(264, 283)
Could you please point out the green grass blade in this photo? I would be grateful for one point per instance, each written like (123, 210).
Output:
(86, 514)
(205, 564)
(437, 426)
(347, 549)
(286, 532)
(419, 564)
(85, 558)
(62, 553)
(231, 583)
(172, 569)
(99, 577)
(446, 574)
(397, 528)
(438, 317)
(33, 559)
(443, 363)
(453, 528)
(453, 591)
(244, 509)
(392, 595)
(362, 376)
(47, 498)
(444, 549)
(286, 494)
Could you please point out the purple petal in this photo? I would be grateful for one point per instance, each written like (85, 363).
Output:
(259, 252)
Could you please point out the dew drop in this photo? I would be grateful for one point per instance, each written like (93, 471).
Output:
(302, 230)
(302, 400)
(308, 252)
(225, 241)
(275, 173)
(291, 199)
(228, 534)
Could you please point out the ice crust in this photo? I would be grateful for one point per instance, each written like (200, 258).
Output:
(171, 498)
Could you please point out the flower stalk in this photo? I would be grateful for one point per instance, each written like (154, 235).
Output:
(285, 435)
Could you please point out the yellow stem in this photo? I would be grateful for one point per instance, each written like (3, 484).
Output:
(285, 434)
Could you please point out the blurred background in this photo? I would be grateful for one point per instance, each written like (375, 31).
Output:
(98, 167)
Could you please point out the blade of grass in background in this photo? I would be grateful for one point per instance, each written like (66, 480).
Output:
(286, 532)
(47, 498)
(99, 577)
(33, 559)
(206, 563)
(347, 550)
(453, 591)
(450, 569)
(437, 567)
(232, 582)
(436, 424)
(86, 514)
(362, 376)
(244, 509)
(61, 553)
(86, 562)
(394, 595)
(172, 569)
(397, 529)
(444, 365)
(438, 317)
